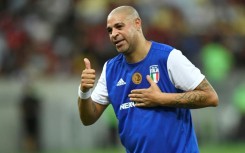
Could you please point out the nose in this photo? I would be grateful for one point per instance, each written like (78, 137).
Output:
(114, 33)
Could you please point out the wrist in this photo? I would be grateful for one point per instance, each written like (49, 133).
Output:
(84, 95)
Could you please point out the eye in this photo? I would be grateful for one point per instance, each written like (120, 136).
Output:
(109, 30)
(119, 26)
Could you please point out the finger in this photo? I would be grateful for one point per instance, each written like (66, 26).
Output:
(150, 80)
(137, 91)
(88, 76)
(88, 72)
(135, 95)
(139, 104)
(136, 99)
(87, 86)
(87, 63)
(88, 81)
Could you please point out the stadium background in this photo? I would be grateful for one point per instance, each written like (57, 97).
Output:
(43, 42)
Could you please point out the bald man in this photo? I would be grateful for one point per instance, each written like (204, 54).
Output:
(151, 86)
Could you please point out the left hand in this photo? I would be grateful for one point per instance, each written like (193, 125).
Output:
(146, 97)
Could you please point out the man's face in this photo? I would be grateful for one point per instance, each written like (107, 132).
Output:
(121, 31)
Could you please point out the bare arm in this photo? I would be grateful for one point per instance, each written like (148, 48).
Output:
(89, 110)
(202, 96)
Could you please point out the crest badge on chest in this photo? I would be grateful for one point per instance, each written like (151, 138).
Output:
(137, 78)
(154, 73)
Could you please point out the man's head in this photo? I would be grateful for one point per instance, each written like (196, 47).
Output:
(124, 28)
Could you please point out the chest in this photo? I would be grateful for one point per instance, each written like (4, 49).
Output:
(122, 78)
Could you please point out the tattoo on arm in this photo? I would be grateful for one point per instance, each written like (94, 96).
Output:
(193, 99)
(204, 85)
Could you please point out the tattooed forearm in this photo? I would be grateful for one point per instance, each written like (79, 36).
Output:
(196, 98)
(190, 99)
(204, 85)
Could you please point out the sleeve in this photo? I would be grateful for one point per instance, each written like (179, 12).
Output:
(182, 73)
(100, 93)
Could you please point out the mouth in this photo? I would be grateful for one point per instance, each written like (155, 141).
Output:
(118, 43)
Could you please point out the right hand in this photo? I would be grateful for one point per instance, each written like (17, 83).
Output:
(87, 77)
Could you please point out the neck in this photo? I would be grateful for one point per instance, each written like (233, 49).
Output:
(139, 53)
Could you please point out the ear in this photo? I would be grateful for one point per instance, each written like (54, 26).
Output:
(138, 23)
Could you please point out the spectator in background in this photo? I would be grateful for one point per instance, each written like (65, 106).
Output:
(30, 112)
(239, 102)
(217, 60)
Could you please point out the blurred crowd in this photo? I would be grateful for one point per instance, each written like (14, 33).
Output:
(42, 38)
(51, 37)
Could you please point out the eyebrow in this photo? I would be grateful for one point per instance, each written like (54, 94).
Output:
(116, 24)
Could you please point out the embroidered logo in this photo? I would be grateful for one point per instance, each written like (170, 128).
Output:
(121, 82)
(137, 78)
(154, 73)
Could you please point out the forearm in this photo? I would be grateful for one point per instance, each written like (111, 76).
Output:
(203, 96)
(190, 99)
(88, 111)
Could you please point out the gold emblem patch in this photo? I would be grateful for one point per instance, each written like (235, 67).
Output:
(137, 78)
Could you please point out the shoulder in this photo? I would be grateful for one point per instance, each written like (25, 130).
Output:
(160, 51)
(117, 59)
(177, 56)
(183, 74)
(161, 47)
(114, 63)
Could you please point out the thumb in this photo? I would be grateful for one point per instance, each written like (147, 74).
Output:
(150, 80)
(87, 63)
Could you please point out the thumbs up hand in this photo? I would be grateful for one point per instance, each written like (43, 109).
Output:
(87, 76)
